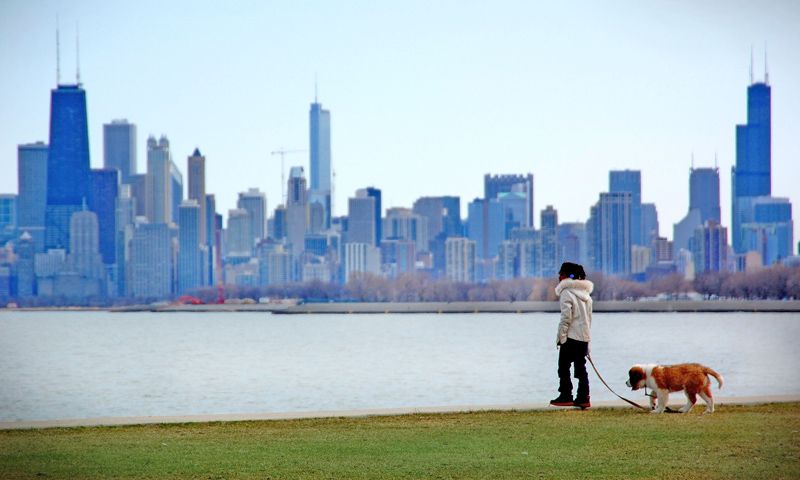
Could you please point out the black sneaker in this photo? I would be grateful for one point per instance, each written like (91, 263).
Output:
(562, 401)
(583, 402)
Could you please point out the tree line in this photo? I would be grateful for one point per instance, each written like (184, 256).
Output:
(774, 283)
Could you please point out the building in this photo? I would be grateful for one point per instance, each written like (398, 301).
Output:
(443, 215)
(296, 211)
(704, 193)
(550, 247)
(630, 181)
(67, 164)
(320, 160)
(32, 189)
(398, 256)
(125, 216)
(175, 191)
(608, 233)
(493, 185)
(361, 258)
(196, 173)
(25, 266)
(103, 201)
(159, 168)
(361, 224)
(460, 259)
(239, 238)
(402, 223)
(192, 247)
(710, 249)
(650, 228)
(255, 202)
(8, 217)
(487, 226)
(572, 239)
(751, 176)
(151, 261)
(119, 148)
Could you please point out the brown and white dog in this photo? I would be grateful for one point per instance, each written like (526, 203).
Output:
(692, 378)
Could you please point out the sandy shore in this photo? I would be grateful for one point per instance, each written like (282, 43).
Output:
(675, 401)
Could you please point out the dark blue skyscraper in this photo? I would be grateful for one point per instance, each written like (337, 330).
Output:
(68, 183)
(376, 194)
(32, 188)
(751, 176)
(704, 193)
(102, 201)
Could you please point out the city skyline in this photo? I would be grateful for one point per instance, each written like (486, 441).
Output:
(376, 141)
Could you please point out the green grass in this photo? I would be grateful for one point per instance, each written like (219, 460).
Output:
(735, 442)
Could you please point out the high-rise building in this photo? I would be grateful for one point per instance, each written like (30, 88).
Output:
(710, 249)
(572, 238)
(704, 193)
(443, 214)
(360, 258)
(32, 189)
(125, 216)
(608, 233)
(151, 261)
(320, 162)
(175, 191)
(361, 224)
(402, 223)
(460, 259)
(296, 211)
(25, 266)
(486, 226)
(650, 227)
(255, 202)
(119, 148)
(523, 184)
(239, 239)
(751, 176)
(190, 256)
(320, 147)
(630, 181)
(158, 180)
(550, 250)
(196, 173)
(376, 194)
(102, 201)
(67, 164)
(8, 217)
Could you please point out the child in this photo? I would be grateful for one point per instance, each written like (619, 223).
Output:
(574, 292)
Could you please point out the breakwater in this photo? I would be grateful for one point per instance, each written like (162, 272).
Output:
(685, 306)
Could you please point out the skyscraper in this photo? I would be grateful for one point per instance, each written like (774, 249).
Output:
(710, 249)
(119, 148)
(460, 259)
(196, 171)
(175, 191)
(32, 188)
(361, 224)
(320, 159)
(704, 193)
(102, 201)
(630, 181)
(608, 233)
(151, 257)
(550, 255)
(255, 202)
(190, 258)
(494, 185)
(158, 180)
(376, 194)
(296, 211)
(68, 162)
(751, 176)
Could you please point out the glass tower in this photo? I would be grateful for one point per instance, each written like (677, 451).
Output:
(68, 184)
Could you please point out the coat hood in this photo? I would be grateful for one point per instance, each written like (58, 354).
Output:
(580, 288)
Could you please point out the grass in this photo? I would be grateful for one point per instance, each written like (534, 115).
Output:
(735, 442)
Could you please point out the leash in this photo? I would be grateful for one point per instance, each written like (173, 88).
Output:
(610, 389)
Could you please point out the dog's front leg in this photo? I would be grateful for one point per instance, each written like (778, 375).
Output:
(663, 397)
(652, 396)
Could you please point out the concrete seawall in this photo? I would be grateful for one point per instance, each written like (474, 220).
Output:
(711, 306)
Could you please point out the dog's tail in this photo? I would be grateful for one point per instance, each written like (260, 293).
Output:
(714, 374)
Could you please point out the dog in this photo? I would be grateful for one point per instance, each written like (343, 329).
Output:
(692, 378)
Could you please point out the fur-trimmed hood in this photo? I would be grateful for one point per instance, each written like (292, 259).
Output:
(580, 288)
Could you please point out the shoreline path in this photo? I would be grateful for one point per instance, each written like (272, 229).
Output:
(675, 400)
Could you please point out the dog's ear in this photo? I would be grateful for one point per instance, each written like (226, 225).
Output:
(635, 375)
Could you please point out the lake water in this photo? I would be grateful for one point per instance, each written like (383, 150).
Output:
(65, 365)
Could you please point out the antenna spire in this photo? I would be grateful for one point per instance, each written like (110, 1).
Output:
(766, 70)
(315, 87)
(58, 56)
(77, 55)
(751, 64)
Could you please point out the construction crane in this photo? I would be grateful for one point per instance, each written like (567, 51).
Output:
(283, 152)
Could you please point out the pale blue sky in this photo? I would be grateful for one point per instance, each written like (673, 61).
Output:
(425, 97)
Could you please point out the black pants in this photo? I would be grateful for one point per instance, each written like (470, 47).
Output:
(573, 352)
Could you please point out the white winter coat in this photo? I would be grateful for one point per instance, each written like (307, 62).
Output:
(576, 309)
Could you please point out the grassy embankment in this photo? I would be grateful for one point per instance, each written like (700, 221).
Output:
(735, 442)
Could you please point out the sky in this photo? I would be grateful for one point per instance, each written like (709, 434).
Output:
(425, 97)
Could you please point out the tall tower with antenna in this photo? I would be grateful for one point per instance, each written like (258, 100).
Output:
(320, 157)
(68, 166)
